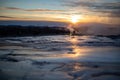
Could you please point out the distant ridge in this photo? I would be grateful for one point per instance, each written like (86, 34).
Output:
(17, 30)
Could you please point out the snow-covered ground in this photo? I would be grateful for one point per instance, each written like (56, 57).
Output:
(59, 58)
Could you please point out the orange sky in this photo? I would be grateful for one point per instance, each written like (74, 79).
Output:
(101, 11)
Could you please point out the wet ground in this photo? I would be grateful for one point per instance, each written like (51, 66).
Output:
(59, 58)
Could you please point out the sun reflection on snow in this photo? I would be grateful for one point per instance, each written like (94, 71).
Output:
(73, 40)
(76, 50)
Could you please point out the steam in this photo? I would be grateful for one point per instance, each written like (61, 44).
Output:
(94, 29)
(71, 29)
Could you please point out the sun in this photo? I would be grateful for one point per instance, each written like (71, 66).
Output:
(75, 18)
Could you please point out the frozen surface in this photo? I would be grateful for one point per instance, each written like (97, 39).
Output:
(59, 58)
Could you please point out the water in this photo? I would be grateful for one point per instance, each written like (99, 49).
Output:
(59, 58)
(61, 48)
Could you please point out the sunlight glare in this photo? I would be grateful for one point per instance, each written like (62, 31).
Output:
(75, 18)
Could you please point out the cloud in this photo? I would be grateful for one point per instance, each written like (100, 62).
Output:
(12, 18)
(12, 8)
(31, 10)
(6, 17)
(95, 4)
(45, 10)
(112, 8)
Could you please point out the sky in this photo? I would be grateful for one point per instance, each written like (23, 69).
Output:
(84, 11)
(103, 11)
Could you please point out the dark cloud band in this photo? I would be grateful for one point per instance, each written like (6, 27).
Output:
(39, 10)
